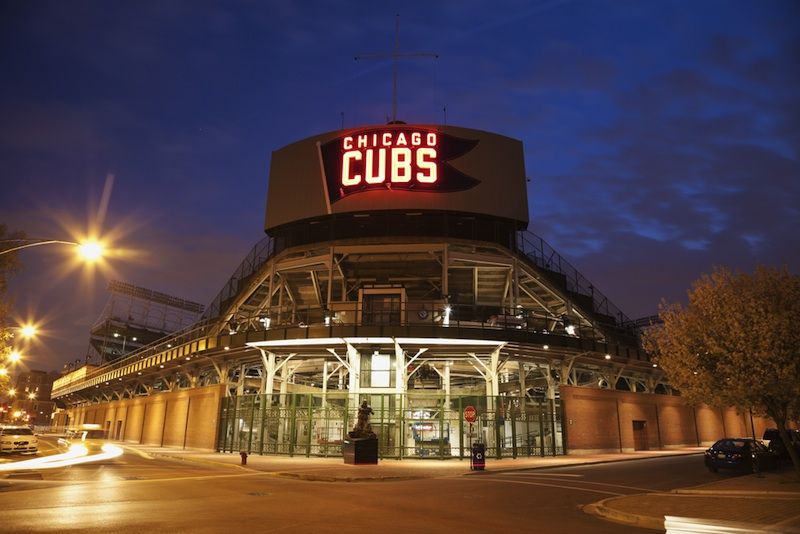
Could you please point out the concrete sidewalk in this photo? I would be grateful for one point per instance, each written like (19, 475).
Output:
(769, 502)
(333, 469)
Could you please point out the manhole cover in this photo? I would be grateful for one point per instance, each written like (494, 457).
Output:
(259, 494)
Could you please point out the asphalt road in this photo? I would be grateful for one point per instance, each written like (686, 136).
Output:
(136, 493)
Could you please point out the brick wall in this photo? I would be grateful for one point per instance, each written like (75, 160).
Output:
(185, 418)
(602, 420)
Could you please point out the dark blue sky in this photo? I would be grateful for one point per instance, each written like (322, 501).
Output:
(662, 138)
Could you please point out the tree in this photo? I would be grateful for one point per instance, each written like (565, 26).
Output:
(736, 343)
(8, 265)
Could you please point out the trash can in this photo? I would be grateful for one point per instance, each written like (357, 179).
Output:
(478, 458)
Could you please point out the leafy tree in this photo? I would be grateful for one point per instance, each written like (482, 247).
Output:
(8, 265)
(736, 343)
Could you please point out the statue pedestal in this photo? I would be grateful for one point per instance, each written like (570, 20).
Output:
(360, 451)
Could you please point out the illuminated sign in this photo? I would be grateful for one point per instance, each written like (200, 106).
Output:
(404, 158)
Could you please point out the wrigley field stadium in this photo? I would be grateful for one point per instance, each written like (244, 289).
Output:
(397, 268)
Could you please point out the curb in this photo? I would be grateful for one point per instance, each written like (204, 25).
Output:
(600, 509)
(326, 478)
(332, 478)
(576, 464)
(199, 461)
(738, 493)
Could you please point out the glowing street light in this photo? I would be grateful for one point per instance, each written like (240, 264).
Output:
(14, 356)
(31, 395)
(28, 331)
(89, 250)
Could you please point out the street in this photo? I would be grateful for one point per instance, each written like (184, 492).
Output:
(136, 492)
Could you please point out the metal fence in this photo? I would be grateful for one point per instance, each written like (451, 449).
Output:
(415, 425)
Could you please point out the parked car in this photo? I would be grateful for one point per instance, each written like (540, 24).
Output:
(776, 444)
(18, 439)
(742, 454)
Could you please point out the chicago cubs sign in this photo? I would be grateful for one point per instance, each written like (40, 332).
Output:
(397, 158)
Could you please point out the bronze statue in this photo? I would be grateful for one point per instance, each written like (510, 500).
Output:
(363, 429)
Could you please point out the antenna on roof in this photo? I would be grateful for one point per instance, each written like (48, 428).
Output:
(394, 55)
(444, 110)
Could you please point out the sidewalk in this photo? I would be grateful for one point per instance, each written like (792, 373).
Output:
(333, 469)
(748, 503)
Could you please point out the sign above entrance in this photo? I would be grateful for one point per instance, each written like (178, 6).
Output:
(400, 158)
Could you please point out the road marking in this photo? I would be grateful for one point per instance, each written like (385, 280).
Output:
(137, 451)
(636, 488)
(590, 490)
(528, 474)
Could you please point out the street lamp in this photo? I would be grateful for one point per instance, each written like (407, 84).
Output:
(28, 331)
(124, 339)
(89, 250)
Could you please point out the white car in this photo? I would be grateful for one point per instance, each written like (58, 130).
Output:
(18, 439)
(90, 436)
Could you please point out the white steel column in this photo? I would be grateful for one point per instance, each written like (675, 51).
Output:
(400, 371)
(324, 384)
(400, 387)
(285, 373)
(354, 362)
(268, 378)
(240, 385)
(446, 380)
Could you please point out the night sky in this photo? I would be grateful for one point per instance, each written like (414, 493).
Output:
(662, 138)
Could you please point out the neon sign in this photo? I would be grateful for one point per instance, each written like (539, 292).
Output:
(404, 158)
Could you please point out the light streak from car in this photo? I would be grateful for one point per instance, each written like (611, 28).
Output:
(77, 454)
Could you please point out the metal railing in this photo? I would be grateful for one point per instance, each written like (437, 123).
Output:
(543, 255)
(257, 256)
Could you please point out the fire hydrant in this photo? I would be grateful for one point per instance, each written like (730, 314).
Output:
(243, 454)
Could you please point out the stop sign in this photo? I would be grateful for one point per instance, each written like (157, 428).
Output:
(470, 414)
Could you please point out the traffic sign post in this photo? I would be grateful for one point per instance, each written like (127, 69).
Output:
(477, 458)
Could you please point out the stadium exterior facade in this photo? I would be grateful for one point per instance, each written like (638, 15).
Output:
(398, 269)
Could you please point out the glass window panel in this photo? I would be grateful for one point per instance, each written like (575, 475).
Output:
(381, 370)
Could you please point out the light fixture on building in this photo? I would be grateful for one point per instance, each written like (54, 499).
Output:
(608, 356)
